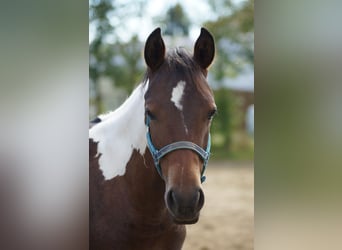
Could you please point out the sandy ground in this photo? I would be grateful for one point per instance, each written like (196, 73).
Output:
(227, 218)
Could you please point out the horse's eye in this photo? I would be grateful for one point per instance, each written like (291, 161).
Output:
(211, 114)
(149, 114)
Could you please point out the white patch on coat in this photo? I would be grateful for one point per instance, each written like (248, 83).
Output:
(119, 133)
(176, 98)
(177, 94)
(185, 127)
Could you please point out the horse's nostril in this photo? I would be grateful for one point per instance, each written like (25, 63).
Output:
(171, 199)
(176, 201)
(200, 202)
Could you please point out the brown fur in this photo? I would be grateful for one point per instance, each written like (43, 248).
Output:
(128, 212)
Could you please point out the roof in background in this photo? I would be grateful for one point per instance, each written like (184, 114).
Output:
(243, 82)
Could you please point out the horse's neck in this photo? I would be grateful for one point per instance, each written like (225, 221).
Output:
(119, 134)
(146, 188)
(121, 146)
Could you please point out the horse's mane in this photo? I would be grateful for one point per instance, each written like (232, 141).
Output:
(178, 60)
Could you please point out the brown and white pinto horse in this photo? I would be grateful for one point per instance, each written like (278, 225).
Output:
(133, 204)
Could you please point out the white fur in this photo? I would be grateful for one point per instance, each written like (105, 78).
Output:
(185, 127)
(177, 94)
(119, 133)
(176, 98)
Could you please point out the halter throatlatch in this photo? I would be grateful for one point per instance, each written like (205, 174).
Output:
(158, 154)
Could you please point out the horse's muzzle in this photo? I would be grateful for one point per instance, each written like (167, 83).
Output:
(184, 207)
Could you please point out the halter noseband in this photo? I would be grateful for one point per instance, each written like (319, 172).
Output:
(158, 154)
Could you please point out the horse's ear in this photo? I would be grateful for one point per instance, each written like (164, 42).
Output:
(154, 52)
(204, 50)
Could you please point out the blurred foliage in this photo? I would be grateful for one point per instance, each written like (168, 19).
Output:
(108, 55)
(234, 36)
(223, 123)
(98, 50)
(122, 61)
(176, 22)
(229, 139)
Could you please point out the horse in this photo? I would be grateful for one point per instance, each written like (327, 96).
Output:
(147, 158)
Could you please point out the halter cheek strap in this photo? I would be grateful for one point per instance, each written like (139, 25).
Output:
(158, 154)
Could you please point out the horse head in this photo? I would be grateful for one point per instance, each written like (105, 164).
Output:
(179, 106)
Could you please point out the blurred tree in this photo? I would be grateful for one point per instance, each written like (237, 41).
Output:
(234, 35)
(127, 66)
(176, 22)
(98, 51)
(222, 124)
(108, 54)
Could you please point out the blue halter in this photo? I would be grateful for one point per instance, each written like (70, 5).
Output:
(158, 154)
